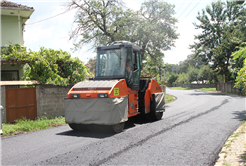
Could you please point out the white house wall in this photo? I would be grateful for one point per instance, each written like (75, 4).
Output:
(10, 30)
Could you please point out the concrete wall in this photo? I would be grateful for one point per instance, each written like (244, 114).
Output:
(3, 102)
(10, 30)
(227, 87)
(0, 96)
(195, 86)
(50, 100)
(163, 87)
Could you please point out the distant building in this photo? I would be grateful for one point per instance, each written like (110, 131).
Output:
(13, 19)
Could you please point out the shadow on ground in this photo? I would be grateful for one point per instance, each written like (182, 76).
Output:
(198, 93)
(103, 131)
(243, 158)
(241, 115)
(96, 133)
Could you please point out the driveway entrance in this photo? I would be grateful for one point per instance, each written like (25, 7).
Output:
(21, 103)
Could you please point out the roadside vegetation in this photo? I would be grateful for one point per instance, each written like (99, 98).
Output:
(23, 125)
(48, 66)
(169, 98)
(202, 89)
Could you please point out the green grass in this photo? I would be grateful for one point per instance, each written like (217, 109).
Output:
(24, 125)
(169, 98)
(207, 89)
(226, 164)
(180, 88)
(202, 89)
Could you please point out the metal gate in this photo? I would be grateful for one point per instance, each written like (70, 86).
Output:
(21, 103)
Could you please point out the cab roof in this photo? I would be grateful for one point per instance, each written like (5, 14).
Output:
(119, 44)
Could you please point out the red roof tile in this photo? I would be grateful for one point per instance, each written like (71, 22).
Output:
(7, 4)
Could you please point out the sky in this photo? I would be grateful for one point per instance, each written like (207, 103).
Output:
(49, 26)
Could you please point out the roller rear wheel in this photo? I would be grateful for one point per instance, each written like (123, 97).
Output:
(117, 128)
(158, 115)
(74, 126)
(153, 114)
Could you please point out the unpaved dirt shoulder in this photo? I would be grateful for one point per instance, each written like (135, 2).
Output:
(233, 152)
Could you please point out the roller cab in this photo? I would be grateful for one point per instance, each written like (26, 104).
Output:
(116, 93)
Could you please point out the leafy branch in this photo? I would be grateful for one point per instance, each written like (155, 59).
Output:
(48, 66)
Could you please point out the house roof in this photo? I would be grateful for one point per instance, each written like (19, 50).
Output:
(12, 5)
(13, 9)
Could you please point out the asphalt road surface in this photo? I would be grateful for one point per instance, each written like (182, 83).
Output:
(191, 132)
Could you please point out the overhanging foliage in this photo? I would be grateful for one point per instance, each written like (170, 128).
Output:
(48, 66)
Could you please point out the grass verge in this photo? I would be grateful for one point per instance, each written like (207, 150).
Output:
(180, 88)
(202, 89)
(207, 89)
(169, 98)
(24, 125)
(234, 150)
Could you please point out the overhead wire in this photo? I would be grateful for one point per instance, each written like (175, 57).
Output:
(191, 10)
(185, 9)
(181, 6)
(48, 18)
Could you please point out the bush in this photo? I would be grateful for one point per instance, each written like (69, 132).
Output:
(172, 78)
(48, 66)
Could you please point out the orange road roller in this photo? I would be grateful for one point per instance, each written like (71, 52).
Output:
(116, 93)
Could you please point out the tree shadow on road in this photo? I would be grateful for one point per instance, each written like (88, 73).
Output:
(198, 93)
(241, 115)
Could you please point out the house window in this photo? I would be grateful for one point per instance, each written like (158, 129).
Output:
(9, 75)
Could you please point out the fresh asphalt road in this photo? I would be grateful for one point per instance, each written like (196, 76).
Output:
(191, 132)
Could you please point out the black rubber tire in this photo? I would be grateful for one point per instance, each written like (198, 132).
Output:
(117, 128)
(154, 116)
(158, 115)
(74, 126)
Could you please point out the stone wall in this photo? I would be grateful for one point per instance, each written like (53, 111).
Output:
(50, 100)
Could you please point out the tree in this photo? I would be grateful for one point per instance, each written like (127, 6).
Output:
(192, 74)
(155, 65)
(241, 78)
(156, 31)
(206, 73)
(47, 66)
(172, 78)
(219, 23)
(223, 62)
(92, 65)
(102, 22)
(191, 60)
(182, 78)
(172, 68)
